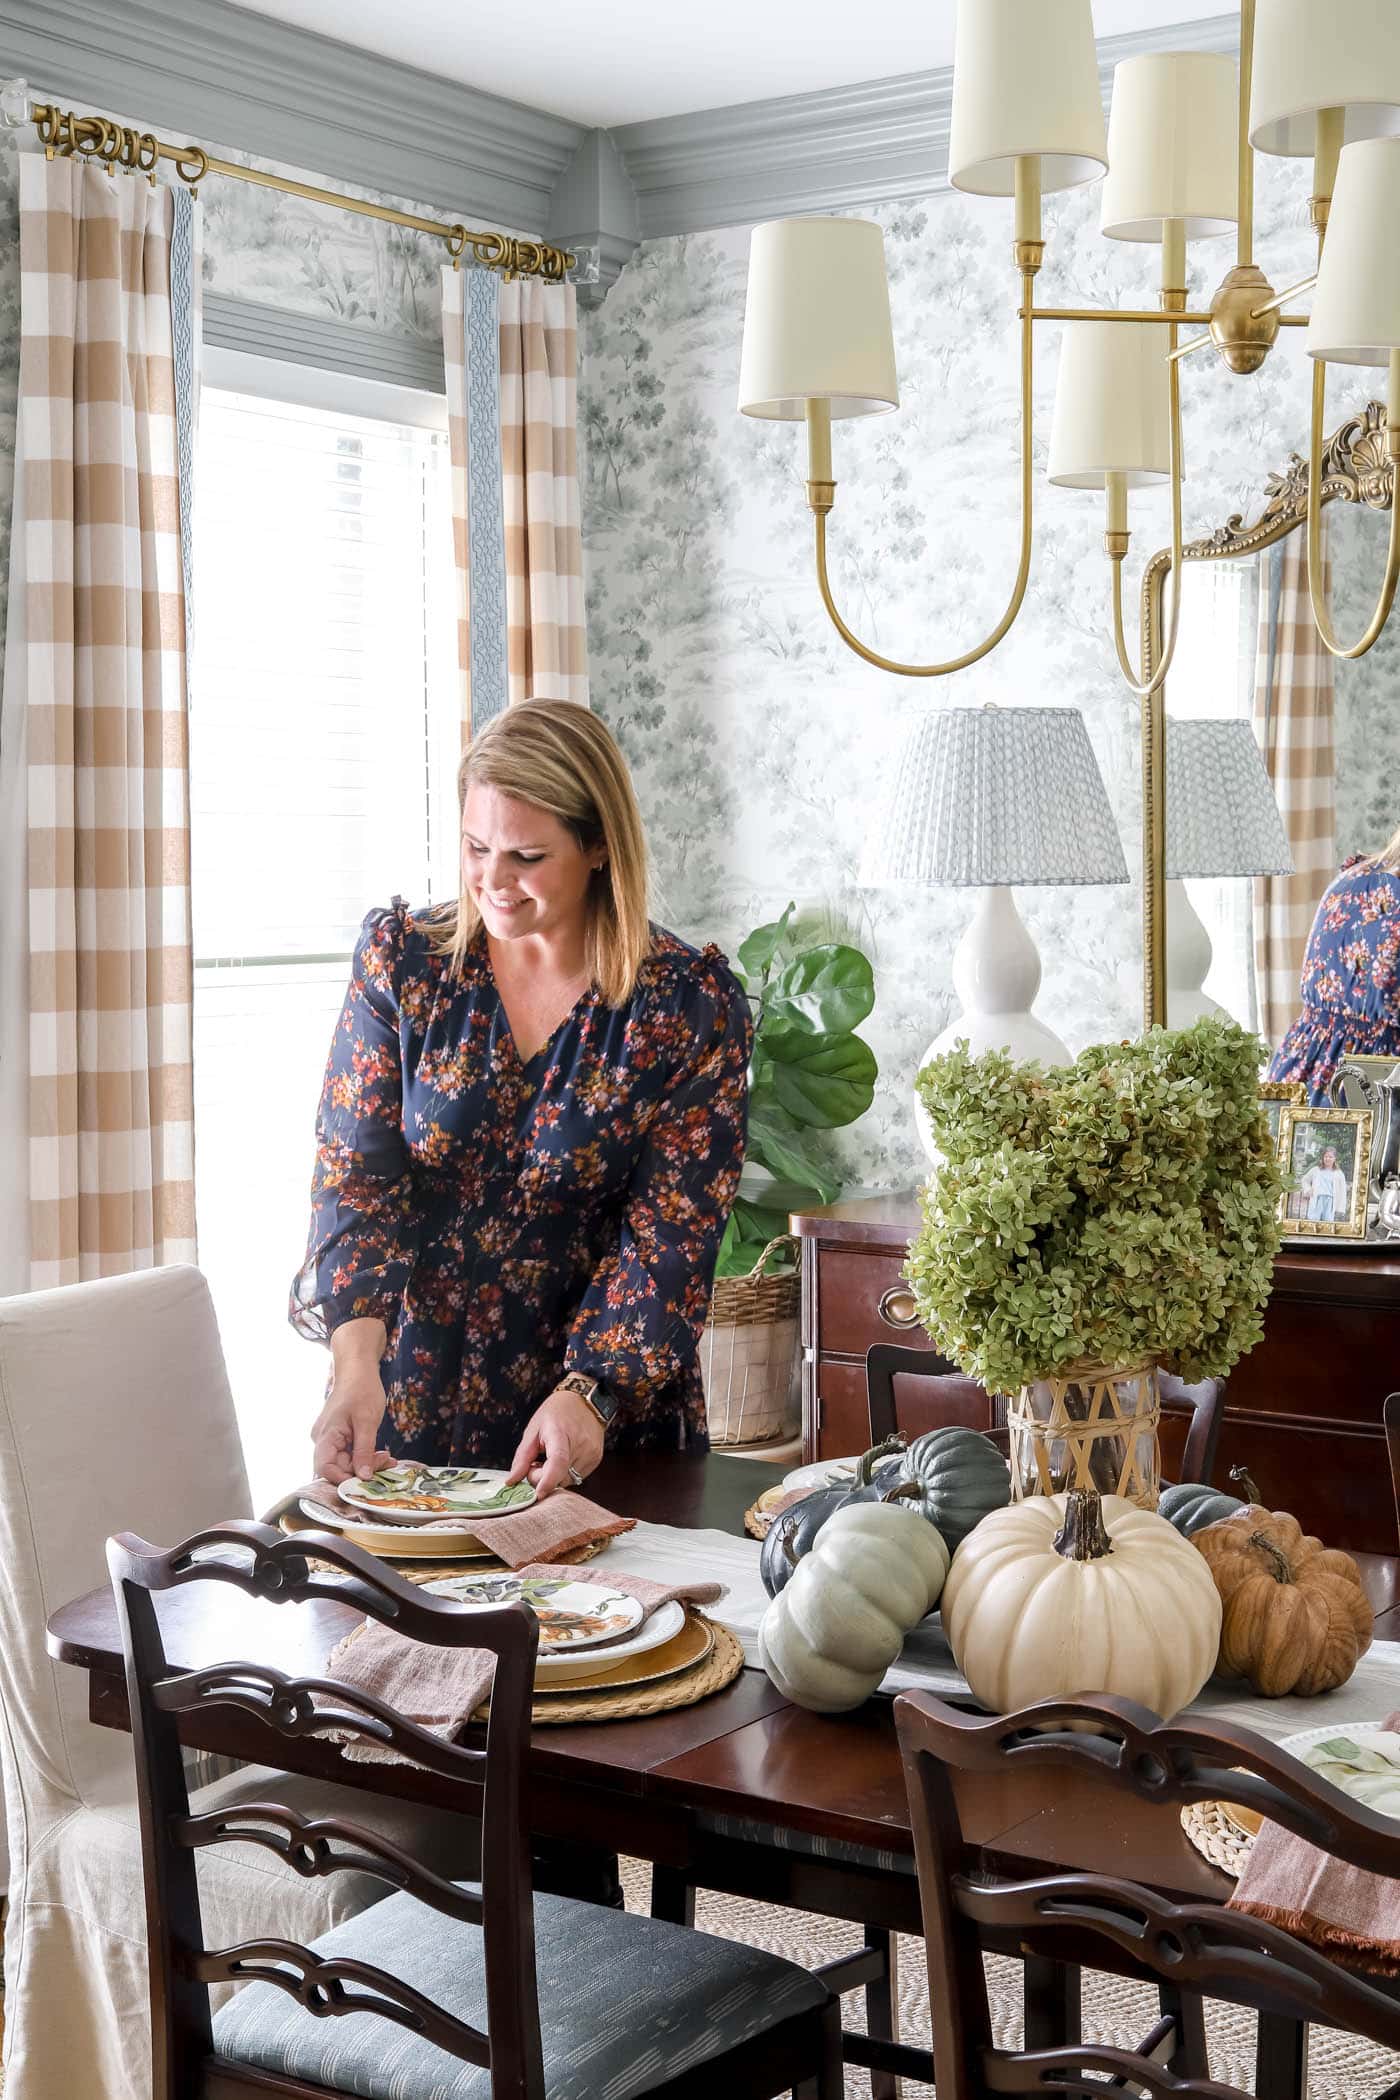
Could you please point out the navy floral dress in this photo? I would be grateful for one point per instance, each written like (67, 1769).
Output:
(510, 1221)
(1351, 980)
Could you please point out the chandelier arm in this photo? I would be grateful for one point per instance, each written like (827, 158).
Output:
(1139, 681)
(971, 656)
(1322, 618)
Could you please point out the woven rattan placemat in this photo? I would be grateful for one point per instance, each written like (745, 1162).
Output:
(625, 1702)
(1216, 1837)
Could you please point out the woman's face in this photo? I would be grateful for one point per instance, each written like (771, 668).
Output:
(522, 868)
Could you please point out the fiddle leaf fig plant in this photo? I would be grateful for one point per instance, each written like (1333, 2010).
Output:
(809, 1072)
(1119, 1210)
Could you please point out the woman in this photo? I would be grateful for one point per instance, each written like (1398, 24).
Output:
(529, 1139)
(1325, 1188)
(1350, 987)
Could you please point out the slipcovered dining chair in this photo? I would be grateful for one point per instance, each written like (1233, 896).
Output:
(114, 1411)
(479, 1990)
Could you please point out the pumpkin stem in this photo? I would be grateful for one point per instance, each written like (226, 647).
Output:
(866, 1465)
(1279, 1568)
(1240, 1475)
(1085, 1535)
(906, 1491)
(789, 1545)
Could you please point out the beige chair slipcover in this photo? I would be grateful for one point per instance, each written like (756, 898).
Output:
(115, 1415)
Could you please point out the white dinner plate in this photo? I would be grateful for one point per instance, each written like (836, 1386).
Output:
(571, 1652)
(412, 1494)
(1378, 1790)
(464, 1545)
(826, 1472)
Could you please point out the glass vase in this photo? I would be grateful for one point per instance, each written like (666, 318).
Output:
(1087, 1427)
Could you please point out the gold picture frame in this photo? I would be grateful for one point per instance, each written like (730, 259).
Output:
(1321, 1211)
(1274, 1095)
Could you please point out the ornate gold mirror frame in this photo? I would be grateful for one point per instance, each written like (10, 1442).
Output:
(1355, 469)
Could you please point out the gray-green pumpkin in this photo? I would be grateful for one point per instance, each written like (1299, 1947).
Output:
(1193, 1504)
(963, 1478)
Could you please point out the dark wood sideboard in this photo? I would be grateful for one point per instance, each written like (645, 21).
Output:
(1302, 1410)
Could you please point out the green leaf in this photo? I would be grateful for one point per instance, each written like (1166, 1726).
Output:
(776, 1143)
(762, 1222)
(757, 954)
(828, 990)
(765, 1191)
(739, 1250)
(822, 1081)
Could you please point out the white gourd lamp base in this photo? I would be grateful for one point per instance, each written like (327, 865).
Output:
(1189, 958)
(996, 974)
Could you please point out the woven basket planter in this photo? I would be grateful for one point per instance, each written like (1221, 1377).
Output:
(748, 1351)
(1090, 1427)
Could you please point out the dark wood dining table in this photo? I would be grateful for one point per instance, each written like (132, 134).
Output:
(653, 1788)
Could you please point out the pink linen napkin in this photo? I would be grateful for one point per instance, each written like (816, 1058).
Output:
(441, 1688)
(1340, 1908)
(562, 1523)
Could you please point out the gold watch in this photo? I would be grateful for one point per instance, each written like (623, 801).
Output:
(602, 1402)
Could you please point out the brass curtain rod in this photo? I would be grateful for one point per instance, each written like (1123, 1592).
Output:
(116, 145)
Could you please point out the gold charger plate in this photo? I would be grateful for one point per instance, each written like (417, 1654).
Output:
(389, 1544)
(691, 1645)
(634, 1702)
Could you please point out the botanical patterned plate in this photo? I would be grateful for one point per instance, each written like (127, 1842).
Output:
(572, 1615)
(1360, 1757)
(396, 1541)
(418, 1494)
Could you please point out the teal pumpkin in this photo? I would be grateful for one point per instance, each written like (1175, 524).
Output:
(1193, 1505)
(963, 1478)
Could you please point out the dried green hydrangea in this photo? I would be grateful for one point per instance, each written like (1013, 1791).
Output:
(1120, 1209)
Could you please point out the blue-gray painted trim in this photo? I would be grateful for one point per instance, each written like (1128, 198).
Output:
(218, 75)
(831, 149)
(334, 346)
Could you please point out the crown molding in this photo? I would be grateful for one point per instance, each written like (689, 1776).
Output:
(831, 149)
(218, 75)
(254, 327)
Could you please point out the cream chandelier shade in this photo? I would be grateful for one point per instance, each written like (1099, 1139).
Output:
(1312, 55)
(1171, 146)
(1356, 306)
(1111, 407)
(997, 795)
(1222, 818)
(817, 321)
(1025, 81)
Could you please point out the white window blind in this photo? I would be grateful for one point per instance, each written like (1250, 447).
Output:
(324, 740)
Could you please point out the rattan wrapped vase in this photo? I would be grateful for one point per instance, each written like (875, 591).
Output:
(1087, 1427)
(748, 1352)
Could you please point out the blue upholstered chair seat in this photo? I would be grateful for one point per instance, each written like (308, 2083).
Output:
(625, 2003)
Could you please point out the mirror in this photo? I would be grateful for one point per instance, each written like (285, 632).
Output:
(1320, 785)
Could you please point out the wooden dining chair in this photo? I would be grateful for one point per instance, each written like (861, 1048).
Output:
(1105, 1749)
(932, 1393)
(1390, 1415)
(472, 1991)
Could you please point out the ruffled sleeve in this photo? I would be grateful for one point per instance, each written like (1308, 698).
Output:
(639, 1324)
(363, 1215)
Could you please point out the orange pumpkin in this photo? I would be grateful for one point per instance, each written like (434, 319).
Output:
(1295, 1617)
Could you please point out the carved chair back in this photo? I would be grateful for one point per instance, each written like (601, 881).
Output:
(933, 1394)
(1390, 1414)
(1120, 1748)
(267, 1565)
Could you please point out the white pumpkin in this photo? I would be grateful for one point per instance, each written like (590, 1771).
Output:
(831, 1633)
(1043, 1602)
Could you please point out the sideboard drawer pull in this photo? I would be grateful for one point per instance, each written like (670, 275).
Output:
(897, 1308)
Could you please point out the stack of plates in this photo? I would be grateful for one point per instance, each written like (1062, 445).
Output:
(413, 1512)
(590, 1635)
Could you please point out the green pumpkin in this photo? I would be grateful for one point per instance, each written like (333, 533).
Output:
(1193, 1505)
(963, 1477)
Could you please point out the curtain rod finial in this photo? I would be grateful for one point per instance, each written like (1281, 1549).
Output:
(14, 103)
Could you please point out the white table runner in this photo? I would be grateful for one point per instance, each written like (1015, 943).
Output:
(926, 1663)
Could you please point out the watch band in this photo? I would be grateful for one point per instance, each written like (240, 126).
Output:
(602, 1402)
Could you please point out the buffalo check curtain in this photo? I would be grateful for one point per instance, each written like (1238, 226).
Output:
(102, 683)
(1293, 720)
(511, 355)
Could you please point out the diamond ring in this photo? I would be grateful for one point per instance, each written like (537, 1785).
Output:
(575, 1476)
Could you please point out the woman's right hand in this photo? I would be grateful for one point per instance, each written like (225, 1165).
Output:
(345, 1435)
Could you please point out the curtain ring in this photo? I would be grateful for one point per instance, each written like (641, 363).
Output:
(456, 239)
(492, 249)
(199, 161)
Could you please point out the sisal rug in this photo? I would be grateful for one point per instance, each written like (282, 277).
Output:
(1341, 2066)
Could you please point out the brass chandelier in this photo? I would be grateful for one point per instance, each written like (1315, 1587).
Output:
(1318, 78)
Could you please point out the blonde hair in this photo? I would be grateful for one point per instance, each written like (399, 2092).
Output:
(559, 757)
(1389, 855)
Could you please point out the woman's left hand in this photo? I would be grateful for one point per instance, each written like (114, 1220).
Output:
(562, 1433)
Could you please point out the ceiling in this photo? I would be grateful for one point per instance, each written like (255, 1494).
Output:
(611, 62)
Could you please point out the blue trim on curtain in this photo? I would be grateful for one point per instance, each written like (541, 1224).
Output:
(183, 263)
(1273, 586)
(486, 525)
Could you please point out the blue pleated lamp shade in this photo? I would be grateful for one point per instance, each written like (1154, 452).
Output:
(1222, 818)
(997, 795)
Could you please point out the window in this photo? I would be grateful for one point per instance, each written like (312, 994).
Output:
(324, 738)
